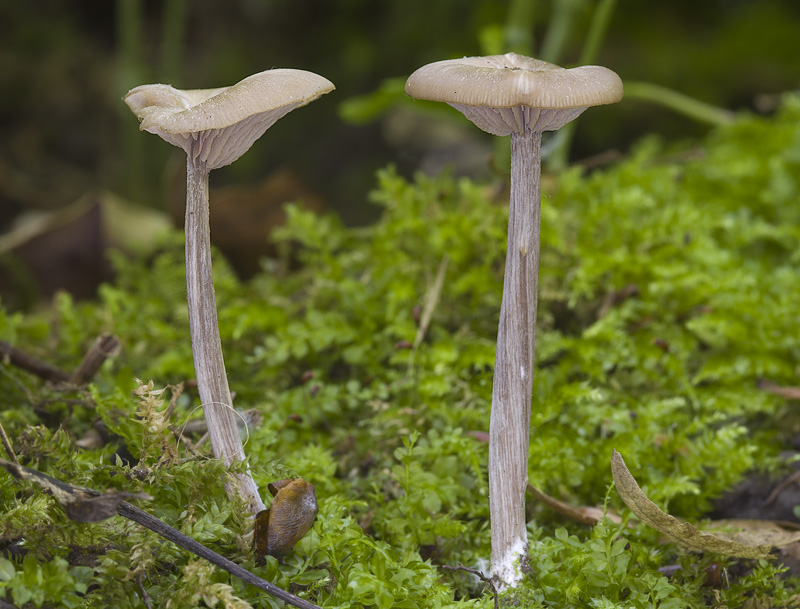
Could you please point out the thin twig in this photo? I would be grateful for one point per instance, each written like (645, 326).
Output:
(20, 359)
(431, 299)
(616, 297)
(145, 596)
(68, 495)
(201, 440)
(790, 393)
(7, 445)
(104, 347)
(40, 406)
(477, 574)
(187, 543)
(179, 437)
(176, 391)
(782, 486)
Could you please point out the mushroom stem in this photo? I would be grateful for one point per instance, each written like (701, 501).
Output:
(509, 429)
(209, 366)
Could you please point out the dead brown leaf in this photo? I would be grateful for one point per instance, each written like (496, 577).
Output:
(94, 509)
(81, 505)
(754, 532)
(682, 533)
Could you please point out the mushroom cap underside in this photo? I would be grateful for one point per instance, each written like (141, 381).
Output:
(216, 126)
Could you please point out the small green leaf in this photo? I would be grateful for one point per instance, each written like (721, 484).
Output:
(7, 571)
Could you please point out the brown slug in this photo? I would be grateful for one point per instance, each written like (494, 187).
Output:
(290, 516)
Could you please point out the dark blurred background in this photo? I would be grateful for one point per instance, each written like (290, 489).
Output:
(76, 175)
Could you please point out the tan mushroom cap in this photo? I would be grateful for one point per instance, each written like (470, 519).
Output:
(502, 94)
(217, 126)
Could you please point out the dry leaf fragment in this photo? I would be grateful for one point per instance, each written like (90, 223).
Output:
(94, 509)
(682, 533)
(581, 513)
(81, 505)
(755, 532)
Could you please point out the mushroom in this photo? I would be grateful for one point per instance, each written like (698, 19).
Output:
(520, 96)
(215, 127)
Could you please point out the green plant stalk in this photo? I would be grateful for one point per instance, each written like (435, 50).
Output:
(597, 31)
(594, 39)
(557, 31)
(172, 36)
(678, 102)
(518, 31)
(129, 32)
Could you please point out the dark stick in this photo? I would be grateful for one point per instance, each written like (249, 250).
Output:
(69, 495)
(106, 345)
(187, 543)
(34, 365)
(478, 574)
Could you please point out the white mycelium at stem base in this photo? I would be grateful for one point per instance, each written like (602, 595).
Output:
(522, 97)
(215, 127)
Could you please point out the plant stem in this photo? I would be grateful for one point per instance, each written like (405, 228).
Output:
(597, 31)
(509, 430)
(518, 30)
(209, 366)
(678, 102)
(129, 32)
(601, 17)
(561, 21)
(173, 34)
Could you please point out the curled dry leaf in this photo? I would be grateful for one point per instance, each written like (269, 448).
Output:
(81, 505)
(84, 508)
(682, 533)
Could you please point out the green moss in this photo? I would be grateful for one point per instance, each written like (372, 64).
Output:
(668, 289)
